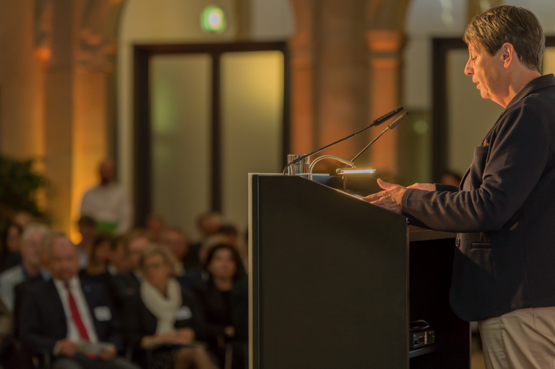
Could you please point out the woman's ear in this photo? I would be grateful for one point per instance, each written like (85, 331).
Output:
(508, 54)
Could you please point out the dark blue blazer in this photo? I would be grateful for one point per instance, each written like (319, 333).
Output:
(504, 211)
(43, 321)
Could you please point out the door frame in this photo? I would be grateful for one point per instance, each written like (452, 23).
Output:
(142, 150)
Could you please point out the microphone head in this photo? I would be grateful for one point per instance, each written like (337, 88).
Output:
(385, 117)
(397, 120)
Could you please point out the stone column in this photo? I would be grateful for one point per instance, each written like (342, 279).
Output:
(385, 42)
(341, 73)
(77, 110)
(302, 78)
(58, 114)
(94, 65)
(21, 82)
(385, 90)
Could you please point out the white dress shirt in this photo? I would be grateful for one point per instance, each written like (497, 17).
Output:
(108, 204)
(84, 311)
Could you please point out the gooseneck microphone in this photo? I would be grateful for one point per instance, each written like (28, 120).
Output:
(375, 123)
(390, 126)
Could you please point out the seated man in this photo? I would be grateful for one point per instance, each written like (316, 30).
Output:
(70, 318)
(31, 247)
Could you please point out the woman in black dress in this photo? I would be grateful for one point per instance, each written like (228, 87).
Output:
(216, 295)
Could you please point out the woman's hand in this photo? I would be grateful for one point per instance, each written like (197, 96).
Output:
(389, 199)
(147, 340)
(185, 335)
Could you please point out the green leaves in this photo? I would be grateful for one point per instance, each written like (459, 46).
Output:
(19, 186)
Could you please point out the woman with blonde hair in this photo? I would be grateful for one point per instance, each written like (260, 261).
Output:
(163, 322)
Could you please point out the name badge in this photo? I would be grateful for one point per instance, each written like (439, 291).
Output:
(183, 313)
(102, 313)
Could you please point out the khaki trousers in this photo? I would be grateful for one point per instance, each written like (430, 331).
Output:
(521, 339)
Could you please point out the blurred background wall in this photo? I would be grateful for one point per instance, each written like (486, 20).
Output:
(67, 93)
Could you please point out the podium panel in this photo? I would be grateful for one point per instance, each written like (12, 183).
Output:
(329, 280)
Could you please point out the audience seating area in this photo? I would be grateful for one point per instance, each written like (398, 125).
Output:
(148, 298)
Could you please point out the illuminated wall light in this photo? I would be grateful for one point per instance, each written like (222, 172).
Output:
(213, 19)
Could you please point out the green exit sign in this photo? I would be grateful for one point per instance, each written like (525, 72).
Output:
(213, 19)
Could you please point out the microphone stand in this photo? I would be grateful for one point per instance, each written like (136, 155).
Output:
(389, 127)
(376, 122)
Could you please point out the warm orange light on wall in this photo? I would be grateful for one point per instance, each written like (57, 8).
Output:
(89, 138)
(43, 54)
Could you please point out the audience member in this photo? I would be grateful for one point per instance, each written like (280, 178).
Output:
(176, 241)
(195, 275)
(128, 284)
(11, 243)
(31, 248)
(70, 318)
(99, 257)
(119, 257)
(108, 203)
(20, 290)
(207, 224)
(154, 225)
(229, 231)
(224, 268)
(231, 234)
(87, 229)
(165, 319)
(23, 219)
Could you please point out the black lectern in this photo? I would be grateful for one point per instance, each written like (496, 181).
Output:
(334, 282)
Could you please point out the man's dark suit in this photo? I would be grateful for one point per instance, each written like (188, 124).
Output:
(125, 285)
(44, 321)
(504, 211)
(20, 292)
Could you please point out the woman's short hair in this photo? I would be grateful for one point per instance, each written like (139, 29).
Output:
(512, 24)
(155, 249)
(239, 268)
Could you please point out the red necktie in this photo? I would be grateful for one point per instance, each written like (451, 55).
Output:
(75, 315)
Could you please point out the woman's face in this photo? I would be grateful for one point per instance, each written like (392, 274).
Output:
(155, 270)
(13, 241)
(222, 264)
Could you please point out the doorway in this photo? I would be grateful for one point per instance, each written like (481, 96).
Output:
(205, 115)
